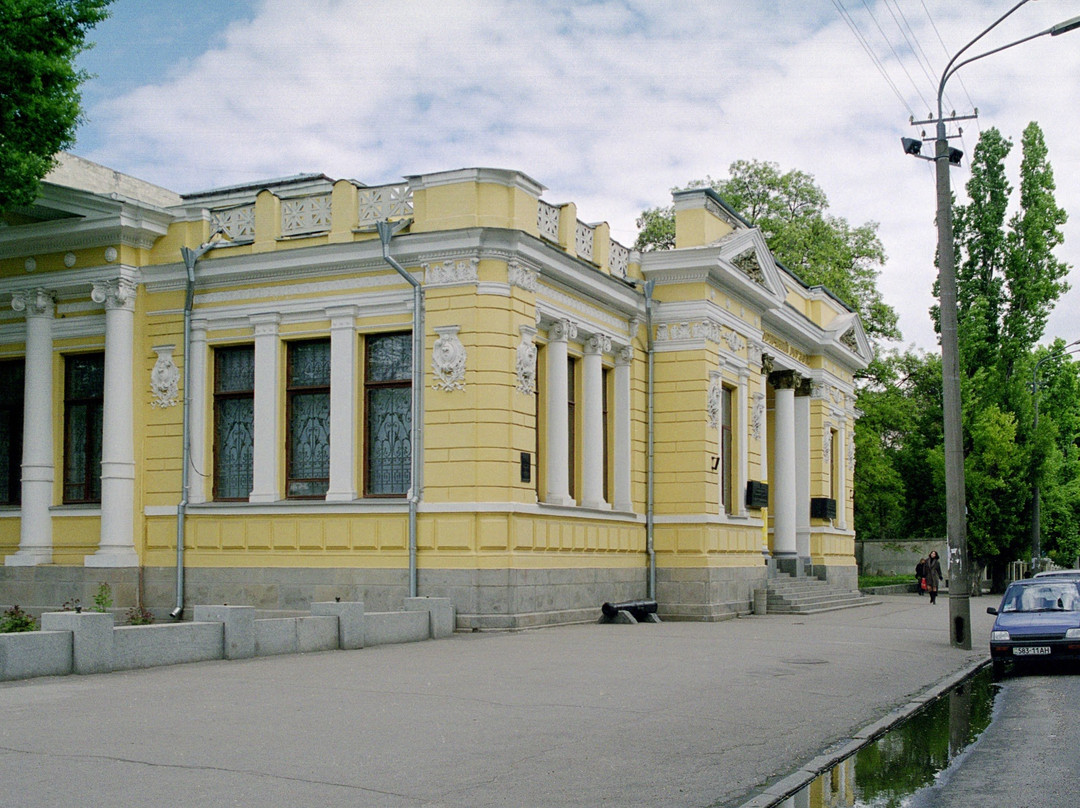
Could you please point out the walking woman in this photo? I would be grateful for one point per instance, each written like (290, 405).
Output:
(933, 575)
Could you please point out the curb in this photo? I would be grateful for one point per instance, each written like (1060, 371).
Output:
(844, 748)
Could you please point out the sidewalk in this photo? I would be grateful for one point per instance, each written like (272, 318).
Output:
(679, 714)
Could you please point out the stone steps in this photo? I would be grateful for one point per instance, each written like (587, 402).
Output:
(810, 596)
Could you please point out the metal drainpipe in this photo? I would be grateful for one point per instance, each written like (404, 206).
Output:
(386, 232)
(649, 499)
(190, 258)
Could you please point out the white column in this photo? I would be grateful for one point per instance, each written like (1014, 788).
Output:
(117, 546)
(840, 464)
(557, 444)
(197, 378)
(622, 437)
(266, 453)
(784, 495)
(35, 540)
(342, 404)
(802, 475)
(742, 413)
(592, 422)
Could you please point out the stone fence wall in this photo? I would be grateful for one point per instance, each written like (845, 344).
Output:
(90, 642)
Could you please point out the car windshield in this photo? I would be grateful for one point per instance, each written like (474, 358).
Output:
(1044, 596)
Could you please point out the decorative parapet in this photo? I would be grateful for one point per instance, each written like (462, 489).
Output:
(383, 202)
(619, 259)
(306, 215)
(236, 223)
(547, 220)
(583, 240)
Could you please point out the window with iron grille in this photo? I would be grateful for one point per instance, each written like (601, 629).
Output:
(388, 415)
(307, 442)
(234, 421)
(11, 431)
(84, 395)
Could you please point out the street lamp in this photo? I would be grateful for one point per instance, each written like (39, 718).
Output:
(955, 497)
(1036, 526)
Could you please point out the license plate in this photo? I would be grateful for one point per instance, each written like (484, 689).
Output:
(1032, 650)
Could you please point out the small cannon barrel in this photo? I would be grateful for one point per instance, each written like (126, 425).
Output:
(637, 608)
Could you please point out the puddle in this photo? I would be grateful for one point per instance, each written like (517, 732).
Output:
(909, 757)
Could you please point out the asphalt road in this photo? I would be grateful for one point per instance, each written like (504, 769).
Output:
(671, 714)
(1029, 756)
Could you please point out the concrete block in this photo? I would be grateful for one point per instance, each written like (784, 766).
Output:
(166, 644)
(35, 653)
(316, 633)
(350, 617)
(276, 635)
(91, 641)
(238, 639)
(440, 611)
(384, 628)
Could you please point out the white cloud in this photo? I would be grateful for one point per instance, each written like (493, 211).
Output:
(608, 103)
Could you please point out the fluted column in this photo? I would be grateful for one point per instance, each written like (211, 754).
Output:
(264, 485)
(802, 470)
(622, 437)
(35, 539)
(557, 444)
(342, 404)
(592, 422)
(117, 545)
(197, 378)
(784, 473)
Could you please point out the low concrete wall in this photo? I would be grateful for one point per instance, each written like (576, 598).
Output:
(383, 628)
(89, 642)
(896, 557)
(35, 653)
(165, 644)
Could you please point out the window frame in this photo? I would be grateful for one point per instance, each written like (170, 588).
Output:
(93, 404)
(230, 395)
(373, 386)
(293, 392)
(12, 412)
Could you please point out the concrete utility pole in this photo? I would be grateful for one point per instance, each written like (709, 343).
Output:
(955, 496)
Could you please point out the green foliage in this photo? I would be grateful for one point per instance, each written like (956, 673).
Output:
(792, 213)
(39, 87)
(15, 619)
(103, 600)
(867, 581)
(139, 616)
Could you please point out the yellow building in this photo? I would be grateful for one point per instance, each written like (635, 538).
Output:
(234, 371)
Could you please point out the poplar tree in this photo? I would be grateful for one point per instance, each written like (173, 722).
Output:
(40, 104)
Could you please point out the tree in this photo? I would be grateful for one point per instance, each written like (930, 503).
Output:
(39, 87)
(1008, 281)
(792, 213)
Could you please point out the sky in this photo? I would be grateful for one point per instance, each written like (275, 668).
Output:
(608, 103)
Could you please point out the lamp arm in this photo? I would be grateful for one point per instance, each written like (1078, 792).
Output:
(950, 68)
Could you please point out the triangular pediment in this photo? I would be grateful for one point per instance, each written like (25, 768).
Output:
(745, 257)
(846, 330)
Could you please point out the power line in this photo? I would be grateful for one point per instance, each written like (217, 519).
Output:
(846, 15)
(896, 55)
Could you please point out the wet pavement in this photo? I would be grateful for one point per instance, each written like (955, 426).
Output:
(686, 714)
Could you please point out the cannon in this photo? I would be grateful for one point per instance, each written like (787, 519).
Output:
(638, 609)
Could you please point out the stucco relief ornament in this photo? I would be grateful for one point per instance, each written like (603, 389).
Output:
(826, 444)
(164, 378)
(757, 417)
(851, 454)
(713, 402)
(526, 361)
(448, 359)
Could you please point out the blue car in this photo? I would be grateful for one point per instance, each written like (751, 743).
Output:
(1038, 619)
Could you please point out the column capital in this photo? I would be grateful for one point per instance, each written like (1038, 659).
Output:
(118, 293)
(624, 355)
(785, 379)
(598, 344)
(562, 330)
(34, 302)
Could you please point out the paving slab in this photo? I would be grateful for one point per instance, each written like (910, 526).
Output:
(686, 714)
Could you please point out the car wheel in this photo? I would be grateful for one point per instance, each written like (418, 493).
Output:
(999, 668)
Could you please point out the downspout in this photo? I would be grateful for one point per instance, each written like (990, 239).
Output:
(190, 258)
(386, 232)
(649, 495)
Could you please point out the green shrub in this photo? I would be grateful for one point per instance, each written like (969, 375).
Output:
(15, 619)
(139, 616)
(103, 598)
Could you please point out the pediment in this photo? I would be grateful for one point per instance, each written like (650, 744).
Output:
(847, 330)
(744, 256)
